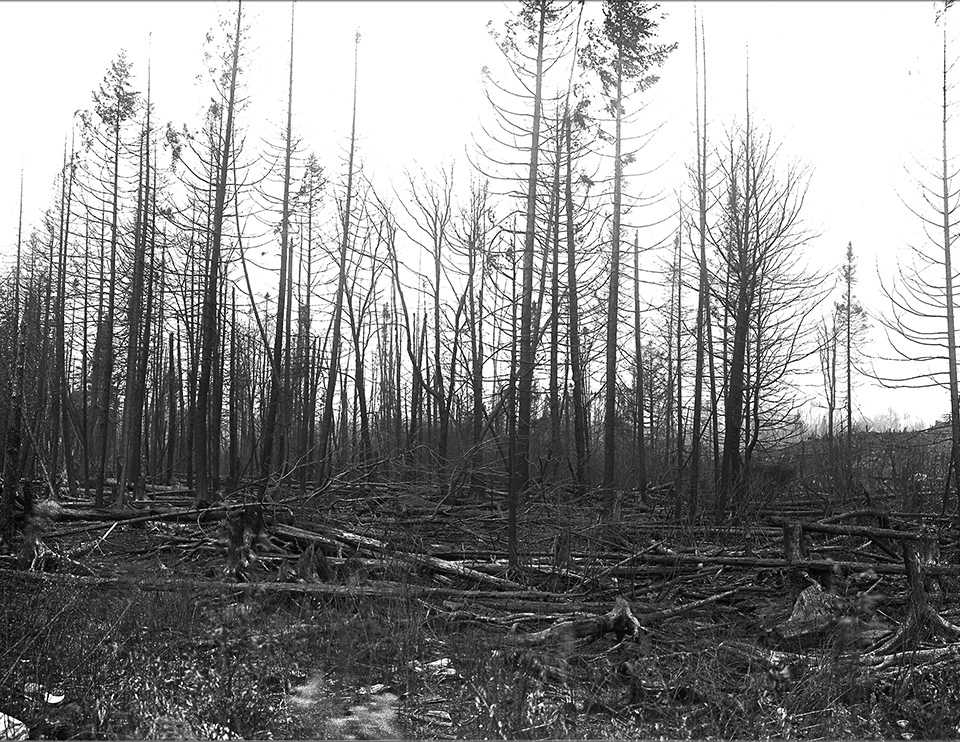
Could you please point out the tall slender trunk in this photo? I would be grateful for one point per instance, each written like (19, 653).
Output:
(849, 339)
(173, 386)
(475, 330)
(208, 329)
(639, 381)
(671, 389)
(105, 333)
(133, 393)
(714, 398)
(360, 385)
(521, 455)
(439, 398)
(234, 398)
(613, 299)
(326, 425)
(270, 423)
(512, 396)
(63, 388)
(84, 362)
(679, 340)
(554, 383)
(947, 211)
(576, 366)
(15, 394)
(730, 475)
(703, 292)
(216, 404)
(309, 395)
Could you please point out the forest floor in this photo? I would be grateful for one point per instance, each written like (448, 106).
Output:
(373, 612)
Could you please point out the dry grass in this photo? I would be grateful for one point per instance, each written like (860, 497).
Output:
(137, 665)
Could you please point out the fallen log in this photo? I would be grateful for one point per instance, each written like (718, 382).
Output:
(768, 563)
(534, 606)
(108, 519)
(785, 665)
(374, 590)
(864, 531)
(912, 658)
(336, 538)
(865, 513)
(667, 613)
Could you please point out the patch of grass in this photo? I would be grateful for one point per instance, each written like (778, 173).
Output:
(126, 658)
(130, 662)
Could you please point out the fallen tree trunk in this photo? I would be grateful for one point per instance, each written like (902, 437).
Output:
(336, 538)
(621, 620)
(864, 531)
(103, 519)
(765, 563)
(383, 590)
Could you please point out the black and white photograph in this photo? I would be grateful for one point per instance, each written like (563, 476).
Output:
(510, 369)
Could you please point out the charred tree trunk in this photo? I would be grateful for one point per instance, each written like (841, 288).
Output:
(208, 328)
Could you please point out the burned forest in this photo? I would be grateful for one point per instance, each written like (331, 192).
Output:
(564, 437)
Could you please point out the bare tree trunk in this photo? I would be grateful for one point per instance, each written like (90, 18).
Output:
(270, 423)
(639, 380)
(714, 398)
(671, 389)
(133, 394)
(327, 420)
(142, 413)
(173, 385)
(703, 293)
(733, 409)
(84, 369)
(679, 339)
(355, 318)
(104, 343)
(475, 330)
(15, 389)
(613, 303)
(216, 405)
(947, 212)
(63, 387)
(848, 459)
(309, 393)
(555, 434)
(521, 455)
(576, 367)
(208, 329)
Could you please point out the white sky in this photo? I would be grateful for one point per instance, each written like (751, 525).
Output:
(849, 88)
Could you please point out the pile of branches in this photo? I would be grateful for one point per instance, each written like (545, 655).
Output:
(587, 581)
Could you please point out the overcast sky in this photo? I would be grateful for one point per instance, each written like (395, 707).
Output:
(848, 88)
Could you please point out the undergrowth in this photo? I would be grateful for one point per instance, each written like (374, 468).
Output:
(228, 666)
